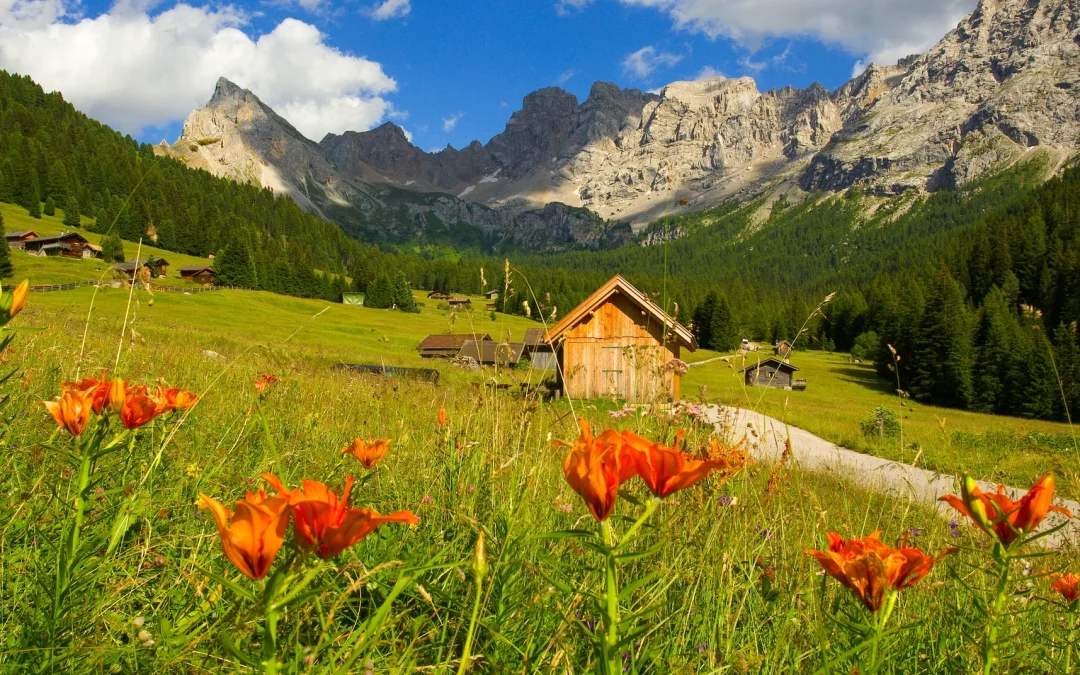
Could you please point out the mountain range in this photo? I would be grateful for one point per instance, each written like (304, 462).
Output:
(1000, 88)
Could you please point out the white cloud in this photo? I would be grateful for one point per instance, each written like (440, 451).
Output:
(883, 30)
(449, 123)
(645, 60)
(708, 73)
(753, 66)
(565, 77)
(390, 9)
(134, 70)
(566, 7)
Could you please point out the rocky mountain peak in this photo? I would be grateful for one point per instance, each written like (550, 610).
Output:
(225, 90)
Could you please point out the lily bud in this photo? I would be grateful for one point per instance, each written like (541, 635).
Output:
(974, 505)
(479, 561)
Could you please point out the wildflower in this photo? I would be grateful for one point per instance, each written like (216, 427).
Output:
(138, 408)
(115, 395)
(442, 417)
(368, 452)
(71, 411)
(252, 535)
(263, 381)
(1067, 585)
(12, 303)
(97, 388)
(1000, 516)
(667, 470)
(174, 398)
(595, 467)
(915, 531)
(871, 570)
(326, 522)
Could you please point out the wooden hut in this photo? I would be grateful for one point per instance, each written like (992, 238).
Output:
(446, 346)
(65, 245)
(490, 353)
(540, 353)
(772, 372)
(619, 344)
(203, 274)
(492, 294)
(157, 267)
(438, 295)
(459, 302)
(17, 238)
(782, 349)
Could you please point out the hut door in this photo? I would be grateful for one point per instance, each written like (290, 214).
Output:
(611, 374)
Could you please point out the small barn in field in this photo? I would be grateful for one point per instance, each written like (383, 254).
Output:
(491, 353)
(64, 245)
(782, 349)
(203, 274)
(447, 346)
(619, 344)
(540, 353)
(773, 372)
(18, 237)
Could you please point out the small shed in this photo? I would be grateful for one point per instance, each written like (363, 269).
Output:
(490, 353)
(92, 251)
(619, 344)
(447, 346)
(540, 353)
(352, 299)
(782, 349)
(438, 295)
(157, 267)
(203, 274)
(65, 245)
(17, 238)
(459, 302)
(492, 294)
(772, 372)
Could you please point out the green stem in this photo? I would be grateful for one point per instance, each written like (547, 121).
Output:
(467, 651)
(881, 618)
(650, 508)
(611, 594)
(989, 656)
(269, 645)
(1072, 636)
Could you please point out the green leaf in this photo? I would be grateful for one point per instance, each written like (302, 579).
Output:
(565, 534)
(630, 557)
(128, 513)
(231, 585)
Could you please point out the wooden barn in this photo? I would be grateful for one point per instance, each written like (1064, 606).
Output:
(17, 238)
(490, 353)
(66, 245)
(203, 274)
(773, 372)
(782, 349)
(438, 295)
(447, 346)
(540, 353)
(619, 344)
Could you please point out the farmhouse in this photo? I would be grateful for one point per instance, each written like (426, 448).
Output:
(156, 266)
(459, 302)
(66, 245)
(772, 372)
(446, 346)
(489, 352)
(203, 274)
(539, 352)
(438, 295)
(17, 238)
(618, 343)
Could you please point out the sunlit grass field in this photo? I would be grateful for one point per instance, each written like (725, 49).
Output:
(716, 581)
(840, 394)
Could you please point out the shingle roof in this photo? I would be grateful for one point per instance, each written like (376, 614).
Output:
(776, 363)
(452, 341)
(196, 268)
(534, 337)
(52, 239)
(489, 351)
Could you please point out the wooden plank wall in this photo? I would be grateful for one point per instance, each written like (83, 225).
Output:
(618, 352)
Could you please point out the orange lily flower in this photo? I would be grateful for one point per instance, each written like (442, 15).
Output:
(72, 410)
(12, 303)
(1068, 585)
(442, 417)
(596, 467)
(326, 522)
(98, 390)
(251, 536)
(998, 515)
(174, 398)
(667, 470)
(872, 570)
(368, 452)
(137, 408)
(263, 381)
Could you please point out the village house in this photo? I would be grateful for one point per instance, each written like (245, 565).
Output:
(446, 346)
(619, 344)
(772, 372)
(459, 302)
(438, 295)
(492, 295)
(157, 267)
(490, 353)
(203, 274)
(17, 238)
(65, 245)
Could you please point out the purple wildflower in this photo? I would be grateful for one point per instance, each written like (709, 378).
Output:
(428, 499)
(915, 531)
(725, 499)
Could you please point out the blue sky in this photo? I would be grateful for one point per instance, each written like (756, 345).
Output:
(448, 71)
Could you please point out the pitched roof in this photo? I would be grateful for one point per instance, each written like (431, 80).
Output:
(618, 284)
(18, 234)
(451, 341)
(490, 351)
(775, 362)
(196, 268)
(56, 238)
(534, 337)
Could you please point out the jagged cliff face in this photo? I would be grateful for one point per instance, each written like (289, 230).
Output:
(1005, 81)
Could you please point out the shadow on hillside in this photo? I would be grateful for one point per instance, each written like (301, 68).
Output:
(865, 377)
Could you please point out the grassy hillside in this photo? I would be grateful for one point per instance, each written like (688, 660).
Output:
(840, 394)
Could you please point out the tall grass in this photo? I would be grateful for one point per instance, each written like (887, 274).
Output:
(726, 587)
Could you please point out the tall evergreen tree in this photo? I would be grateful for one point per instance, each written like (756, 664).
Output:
(942, 350)
(34, 206)
(71, 212)
(6, 268)
(112, 248)
(723, 330)
(403, 297)
(50, 206)
(362, 273)
(703, 318)
(1067, 360)
(380, 293)
(995, 353)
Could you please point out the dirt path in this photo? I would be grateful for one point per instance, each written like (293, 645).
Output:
(767, 436)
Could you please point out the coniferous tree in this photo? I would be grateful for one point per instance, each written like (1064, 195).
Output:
(71, 212)
(6, 268)
(362, 273)
(403, 297)
(703, 319)
(34, 207)
(1067, 361)
(723, 331)
(112, 248)
(380, 293)
(940, 367)
(995, 353)
(50, 206)
(1039, 384)
(234, 266)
